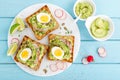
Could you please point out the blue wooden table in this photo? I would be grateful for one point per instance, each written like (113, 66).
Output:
(102, 69)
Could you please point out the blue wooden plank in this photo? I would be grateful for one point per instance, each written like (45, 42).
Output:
(91, 47)
(75, 72)
(4, 27)
(103, 7)
(3, 53)
(5, 24)
(87, 48)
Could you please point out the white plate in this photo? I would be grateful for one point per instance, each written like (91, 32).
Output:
(46, 64)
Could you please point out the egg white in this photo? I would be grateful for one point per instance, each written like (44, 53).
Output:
(58, 57)
(29, 54)
(41, 14)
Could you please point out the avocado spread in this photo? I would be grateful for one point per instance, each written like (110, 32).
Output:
(32, 61)
(58, 42)
(41, 28)
(85, 9)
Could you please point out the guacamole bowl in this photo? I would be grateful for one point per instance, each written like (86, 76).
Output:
(84, 9)
(100, 27)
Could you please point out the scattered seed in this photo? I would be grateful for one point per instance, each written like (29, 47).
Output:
(63, 24)
(19, 35)
(45, 71)
(65, 28)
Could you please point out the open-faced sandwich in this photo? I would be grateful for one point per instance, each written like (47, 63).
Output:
(61, 47)
(30, 53)
(42, 22)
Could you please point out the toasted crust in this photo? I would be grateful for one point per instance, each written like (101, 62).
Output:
(51, 36)
(30, 25)
(39, 61)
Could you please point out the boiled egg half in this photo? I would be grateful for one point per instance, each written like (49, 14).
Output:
(25, 54)
(57, 52)
(43, 18)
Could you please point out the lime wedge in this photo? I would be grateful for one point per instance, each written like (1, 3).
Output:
(14, 28)
(22, 25)
(12, 49)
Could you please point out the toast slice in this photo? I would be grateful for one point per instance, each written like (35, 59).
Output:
(66, 43)
(39, 29)
(38, 50)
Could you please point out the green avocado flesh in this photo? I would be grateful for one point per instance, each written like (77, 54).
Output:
(41, 28)
(33, 60)
(99, 28)
(85, 9)
(57, 42)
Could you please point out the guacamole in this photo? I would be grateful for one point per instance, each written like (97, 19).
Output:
(32, 60)
(99, 28)
(85, 9)
(41, 28)
(57, 41)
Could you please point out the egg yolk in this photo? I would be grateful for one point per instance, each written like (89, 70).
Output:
(44, 18)
(24, 54)
(58, 52)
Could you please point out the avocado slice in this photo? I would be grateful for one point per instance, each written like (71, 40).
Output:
(100, 33)
(99, 23)
(106, 25)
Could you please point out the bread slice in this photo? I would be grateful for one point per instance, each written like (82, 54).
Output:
(67, 40)
(41, 32)
(39, 55)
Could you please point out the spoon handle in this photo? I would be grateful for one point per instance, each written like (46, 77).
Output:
(77, 18)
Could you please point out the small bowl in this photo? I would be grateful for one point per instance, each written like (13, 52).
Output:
(111, 25)
(89, 1)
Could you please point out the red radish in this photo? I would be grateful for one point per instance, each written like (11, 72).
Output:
(60, 65)
(84, 61)
(15, 40)
(53, 67)
(90, 58)
(58, 13)
(102, 52)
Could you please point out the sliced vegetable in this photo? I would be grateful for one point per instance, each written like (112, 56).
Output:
(53, 67)
(60, 65)
(15, 40)
(22, 25)
(99, 28)
(84, 61)
(64, 16)
(65, 66)
(102, 52)
(14, 28)
(58, 13)
(12, 49)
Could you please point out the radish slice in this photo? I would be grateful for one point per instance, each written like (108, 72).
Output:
(60, 65)
(64, 16)
(102, 52)
(84, 61)
(15, 40)
(65, 66)
(58, 13)
(53, 67)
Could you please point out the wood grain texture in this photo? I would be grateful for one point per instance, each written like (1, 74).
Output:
(4, 27)
(110, 8)
(81, 72)
(102, 69)
(86, 48)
